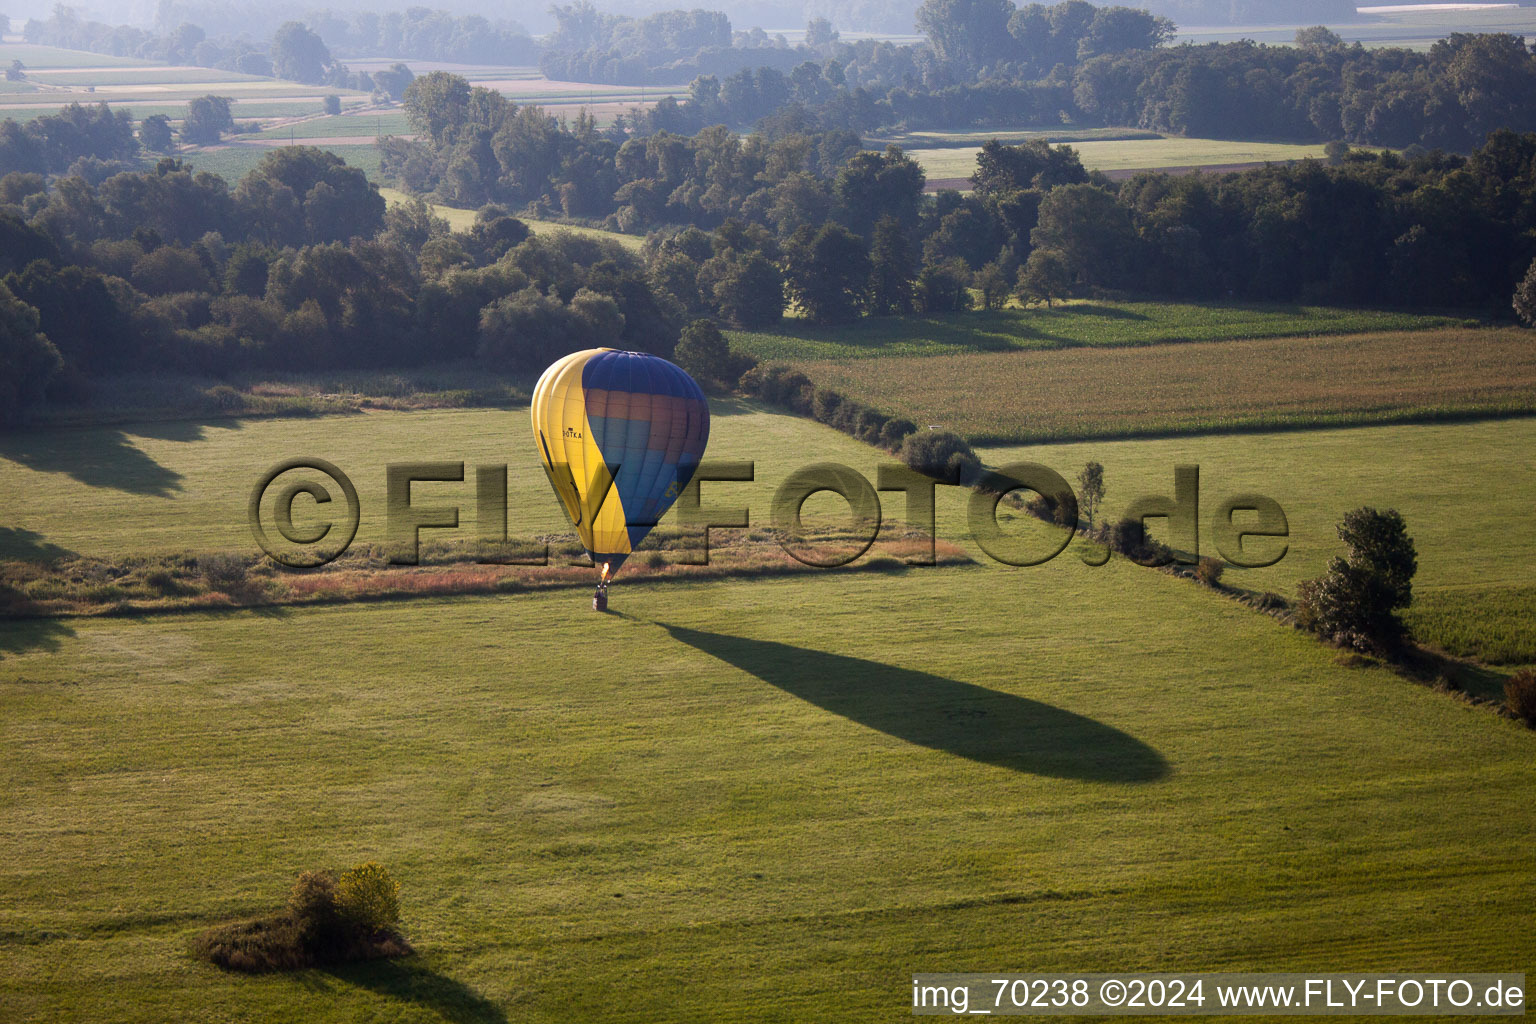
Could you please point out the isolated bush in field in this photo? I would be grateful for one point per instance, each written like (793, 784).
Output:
(225, 573)
(1355, 602)
(940, 454)
(367, 897)
(1525, 296)
(1209, 570)
(333, 104)
(1520, 696)
(325, 921)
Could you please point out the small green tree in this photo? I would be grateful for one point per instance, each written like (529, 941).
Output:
(1355, 602)
(332, 104)
(155, 133)
(207, 118)
(1525, 297)
(367, 897)
(298, 54)
(1045, 277)
(1090, 483)
(993, 282)
(890, 258)
(706, 354)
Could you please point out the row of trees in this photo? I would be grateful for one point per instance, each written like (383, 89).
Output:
(298, 266)
(97, 142)
(296, 52)
(425, 34)
(187, 43)
(1317, 91)
(1428, 229)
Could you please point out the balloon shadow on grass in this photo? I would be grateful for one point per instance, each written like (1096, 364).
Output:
(931, 711)
(410, 981)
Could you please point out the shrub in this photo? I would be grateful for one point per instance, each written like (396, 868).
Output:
(824, 405)
(325, 921)
(895, 431)
(224, 398)
(367, 897)
(163, 582)
(940, 454)
(1354, 603)
(1209, 571)
(1520, 696)
(224, 573)
(1128, 537)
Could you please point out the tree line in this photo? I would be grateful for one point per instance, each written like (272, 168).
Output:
(1427, 228)
(298, 266)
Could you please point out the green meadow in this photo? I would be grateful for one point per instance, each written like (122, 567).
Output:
(1071, 325)
(41, 57)
(233, 159)
(371, 123)
(770, 799)
(155, 488)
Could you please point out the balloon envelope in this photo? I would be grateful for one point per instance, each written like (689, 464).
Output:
(621, 434)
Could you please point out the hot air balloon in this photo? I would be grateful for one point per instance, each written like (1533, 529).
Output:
(621, 434)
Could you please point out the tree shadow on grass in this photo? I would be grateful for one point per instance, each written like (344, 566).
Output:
(96, 457)
(21, 545)
(18, 636)
(942, 714)
(410, 981)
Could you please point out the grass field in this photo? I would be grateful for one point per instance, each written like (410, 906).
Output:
(1123, 154)
(233, 160)
(389, 122)
(1496, 625)
(1071, 325)
(167, 487)
(41, 57)
(174, 486)
(1200, 386)
(1465, 489)
(762, 801)
(1056, 135)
